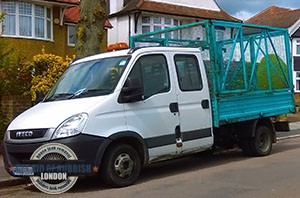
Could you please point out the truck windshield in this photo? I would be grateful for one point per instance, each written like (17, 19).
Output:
(87, 79)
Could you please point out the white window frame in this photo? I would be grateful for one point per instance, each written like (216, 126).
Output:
(297, 81)
(68, 35)
(162, 25)
(46, 21)
(296, 42)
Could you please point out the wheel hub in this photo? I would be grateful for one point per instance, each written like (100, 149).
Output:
(124, 165)
(263, 142)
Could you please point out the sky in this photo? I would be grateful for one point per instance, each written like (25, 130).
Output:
(244, 9)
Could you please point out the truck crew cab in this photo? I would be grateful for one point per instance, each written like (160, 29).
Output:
(126, 109)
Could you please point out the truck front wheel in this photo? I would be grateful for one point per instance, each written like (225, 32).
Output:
(121, 166)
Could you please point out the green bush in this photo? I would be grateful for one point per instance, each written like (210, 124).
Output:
(46, 69)
(276, 72)
(16, 80)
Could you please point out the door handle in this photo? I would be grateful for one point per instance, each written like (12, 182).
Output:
(205, 104)
(174, 107)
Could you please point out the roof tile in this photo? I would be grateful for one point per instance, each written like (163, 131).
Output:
(165, 8)
(67, 1)
(72, 16)
(276, 16)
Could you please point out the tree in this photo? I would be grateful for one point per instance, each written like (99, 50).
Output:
(90, 30)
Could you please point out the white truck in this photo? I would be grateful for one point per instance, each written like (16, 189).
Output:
(126, 109)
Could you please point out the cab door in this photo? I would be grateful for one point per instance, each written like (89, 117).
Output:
(152, 117)
(193, 103)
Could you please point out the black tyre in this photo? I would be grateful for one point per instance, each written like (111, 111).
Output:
(261, 144)
(121, 166)
(245, 146)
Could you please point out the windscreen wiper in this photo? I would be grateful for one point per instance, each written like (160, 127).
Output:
(60, 96)
(90, 92)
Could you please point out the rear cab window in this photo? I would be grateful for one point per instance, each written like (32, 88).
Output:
(188, 72)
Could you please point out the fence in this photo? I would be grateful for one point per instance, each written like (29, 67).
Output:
(11, 106)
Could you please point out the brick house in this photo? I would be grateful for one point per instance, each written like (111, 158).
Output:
(284, 18)
(51, 24)
(131, 17)
(37, 24)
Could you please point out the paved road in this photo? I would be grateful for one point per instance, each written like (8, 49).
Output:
(226, 174)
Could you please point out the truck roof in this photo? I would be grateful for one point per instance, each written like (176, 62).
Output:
(132, 50)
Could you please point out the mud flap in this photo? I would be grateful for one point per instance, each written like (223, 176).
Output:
(281, 123)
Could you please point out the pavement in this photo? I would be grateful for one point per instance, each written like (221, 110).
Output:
(7, 181)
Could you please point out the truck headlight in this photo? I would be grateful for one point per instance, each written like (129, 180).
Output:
(71, 126)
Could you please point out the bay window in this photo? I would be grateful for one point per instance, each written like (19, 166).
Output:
(24, 19)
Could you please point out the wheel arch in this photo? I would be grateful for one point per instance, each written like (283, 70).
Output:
(268, 123)
(247, 129)
(126, 137)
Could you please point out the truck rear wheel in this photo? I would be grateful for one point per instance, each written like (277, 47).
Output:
(121, 166)
(260, 144)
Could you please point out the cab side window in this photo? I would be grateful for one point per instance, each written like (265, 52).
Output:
(152, 71)
(188, 72)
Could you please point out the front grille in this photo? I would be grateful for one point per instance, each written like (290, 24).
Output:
(27, 134)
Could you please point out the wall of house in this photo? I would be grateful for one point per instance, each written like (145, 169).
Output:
(59, 45)
(122, 27)
(27, 48)
(115, 6)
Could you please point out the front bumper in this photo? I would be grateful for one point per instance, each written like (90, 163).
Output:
(87, 148)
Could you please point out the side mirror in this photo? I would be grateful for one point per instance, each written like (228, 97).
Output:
(132, 91)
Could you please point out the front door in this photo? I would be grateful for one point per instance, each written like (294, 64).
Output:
(152, 118)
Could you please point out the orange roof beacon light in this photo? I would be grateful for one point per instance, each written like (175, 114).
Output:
(117, 46)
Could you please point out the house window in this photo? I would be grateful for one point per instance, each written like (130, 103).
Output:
(220, 31)
(23, 19)
(297, 47)
(297, 81)
(154, 23)
(10, 18)
(71, 35)
(25, 14)
(220, 35)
